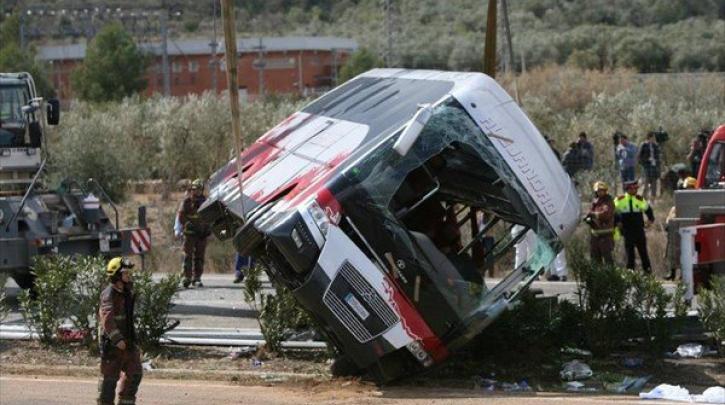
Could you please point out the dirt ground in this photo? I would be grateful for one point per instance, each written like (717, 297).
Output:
(304, 368)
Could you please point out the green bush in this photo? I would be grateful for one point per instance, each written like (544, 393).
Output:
(69, 288)
(47, 311)
(712, 309)
(279, 313)
(4, 308)
(153, 303)
(90, 280)
(617, 304)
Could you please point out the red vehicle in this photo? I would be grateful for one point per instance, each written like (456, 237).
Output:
(712, 169)
(702, 254)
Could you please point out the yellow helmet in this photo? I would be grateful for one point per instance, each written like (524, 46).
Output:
(690, 182)
(600, 185)
(197, 184)
(115, 265)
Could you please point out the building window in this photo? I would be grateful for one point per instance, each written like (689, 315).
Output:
(192, 79)
(223, 65)
(193, 66)
(177, 67)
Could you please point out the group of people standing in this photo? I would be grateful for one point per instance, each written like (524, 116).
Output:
(648, 155)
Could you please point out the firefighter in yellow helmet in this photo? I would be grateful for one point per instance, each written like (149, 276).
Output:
(120, 357)
(630, 209)
(195, 233)
(601, 220)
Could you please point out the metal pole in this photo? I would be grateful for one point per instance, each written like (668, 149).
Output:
(260, 59)
(300, 81)
(213, 44)
(165, 52)
(509, 48)
(489, 52)
(230, 45)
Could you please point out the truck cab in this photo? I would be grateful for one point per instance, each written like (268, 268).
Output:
(35, 221)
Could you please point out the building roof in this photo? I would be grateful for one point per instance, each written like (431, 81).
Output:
(201, 46)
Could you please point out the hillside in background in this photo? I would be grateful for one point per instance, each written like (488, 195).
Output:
(647, 35)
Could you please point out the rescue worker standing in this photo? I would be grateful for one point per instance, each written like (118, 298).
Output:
(195, 234)
(629, 209)
(119, 353)
(601, 220)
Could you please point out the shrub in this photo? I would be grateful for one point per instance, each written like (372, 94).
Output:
(279, 313)
(70, 288)
(86, 287)
(616, 304)
(712, 309)
(153, 303)
(48, 309)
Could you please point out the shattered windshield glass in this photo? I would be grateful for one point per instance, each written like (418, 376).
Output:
(451, 180)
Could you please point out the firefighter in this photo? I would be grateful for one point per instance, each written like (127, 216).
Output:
(119, 355)
(629, 209)
(195, 233)
(601, 220)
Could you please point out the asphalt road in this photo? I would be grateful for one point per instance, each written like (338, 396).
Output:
(32, 390)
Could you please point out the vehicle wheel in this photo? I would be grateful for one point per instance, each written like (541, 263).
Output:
(24, 280)
(343, 366)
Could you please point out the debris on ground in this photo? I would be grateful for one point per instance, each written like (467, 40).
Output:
(628, 384)
(574, 351)
(712, 395)
(575, 370)
(241, 352)
(521, 386)
(689, 350)
(486, 382)
(68, 335)
(148, 365)
(632, 362)
(256, 363)
(576, 386)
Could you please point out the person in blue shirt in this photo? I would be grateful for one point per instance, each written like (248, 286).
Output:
(626, 159)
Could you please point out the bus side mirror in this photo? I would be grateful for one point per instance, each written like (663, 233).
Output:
(412, 131)
(53, 112)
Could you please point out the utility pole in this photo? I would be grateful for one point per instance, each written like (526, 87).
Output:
(489, 52)
(213, 45)
(507, 32)
(509, 65)
(230, 45)
(260, 65)
(165, 51)
(22, 29)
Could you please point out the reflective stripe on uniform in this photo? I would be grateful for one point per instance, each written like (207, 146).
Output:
(600, 232)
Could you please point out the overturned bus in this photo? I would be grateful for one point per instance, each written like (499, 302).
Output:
(358, 202)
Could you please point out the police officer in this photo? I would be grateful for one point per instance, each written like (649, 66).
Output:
(629, 209)
(195, 234)
(601, 220)
(119, 353)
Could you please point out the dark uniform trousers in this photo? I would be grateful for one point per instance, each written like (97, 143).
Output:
(636, 239)
(194, 249)
(116, 325)
(113, 365)
(601, 247)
